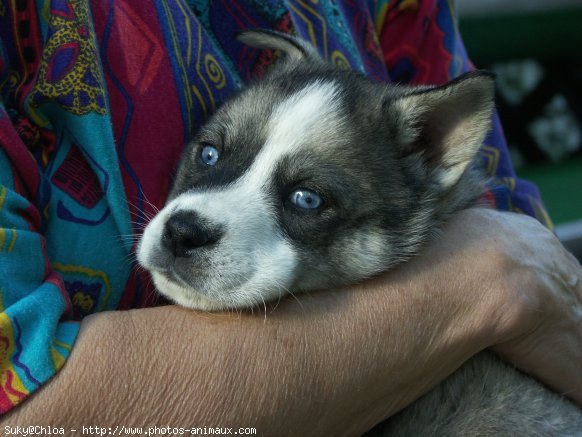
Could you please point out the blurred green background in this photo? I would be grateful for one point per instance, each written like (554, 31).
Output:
(499, 35)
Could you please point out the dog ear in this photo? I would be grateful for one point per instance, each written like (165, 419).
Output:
(295, 48)
(446, 124)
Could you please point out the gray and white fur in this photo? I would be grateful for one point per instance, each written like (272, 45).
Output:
(316, 177)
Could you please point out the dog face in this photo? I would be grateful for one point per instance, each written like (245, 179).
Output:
(312, 178)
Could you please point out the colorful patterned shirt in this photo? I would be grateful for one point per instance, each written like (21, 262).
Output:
(99, 98)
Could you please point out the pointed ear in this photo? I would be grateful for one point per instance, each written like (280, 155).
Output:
(447, 124)
(295, 48)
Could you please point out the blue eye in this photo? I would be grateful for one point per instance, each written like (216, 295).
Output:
(209, 155)
(305, 199)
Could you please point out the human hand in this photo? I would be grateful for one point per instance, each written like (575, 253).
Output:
(545, 283)
(535, 289)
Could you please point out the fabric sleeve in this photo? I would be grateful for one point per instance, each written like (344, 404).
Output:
(65, 229)
(35, 335)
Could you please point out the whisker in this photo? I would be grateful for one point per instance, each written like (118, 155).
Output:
(265, 307)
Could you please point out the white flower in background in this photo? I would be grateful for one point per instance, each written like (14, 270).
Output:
(557, 132)
(516, 79)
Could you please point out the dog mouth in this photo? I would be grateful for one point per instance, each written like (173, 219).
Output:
(172, 286)
(168, 268)
(170, 274)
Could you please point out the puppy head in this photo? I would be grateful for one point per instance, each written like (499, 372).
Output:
(314, 177)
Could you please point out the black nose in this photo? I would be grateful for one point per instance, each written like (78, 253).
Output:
(185, 232)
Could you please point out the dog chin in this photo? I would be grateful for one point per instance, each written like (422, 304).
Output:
(186, 297)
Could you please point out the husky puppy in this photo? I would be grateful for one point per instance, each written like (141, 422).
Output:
(316, 177)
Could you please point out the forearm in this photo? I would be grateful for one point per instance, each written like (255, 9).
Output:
(281, 374)
(336, 362)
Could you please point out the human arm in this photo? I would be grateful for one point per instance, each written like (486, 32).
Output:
(335, 362)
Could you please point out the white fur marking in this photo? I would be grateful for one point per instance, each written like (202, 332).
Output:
(309, 112)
